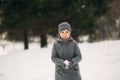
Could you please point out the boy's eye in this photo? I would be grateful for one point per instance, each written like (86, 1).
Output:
(67, 32)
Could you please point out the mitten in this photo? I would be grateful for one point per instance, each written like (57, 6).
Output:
(71, 64)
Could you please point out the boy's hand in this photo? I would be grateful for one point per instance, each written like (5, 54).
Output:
(67, 64)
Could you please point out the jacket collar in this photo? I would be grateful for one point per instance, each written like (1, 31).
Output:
(62, 40)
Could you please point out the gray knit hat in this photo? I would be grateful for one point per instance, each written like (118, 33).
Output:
(64, 25)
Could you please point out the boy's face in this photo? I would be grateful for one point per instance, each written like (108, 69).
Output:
(64, 34)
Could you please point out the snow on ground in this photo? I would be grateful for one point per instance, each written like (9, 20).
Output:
(101, 61)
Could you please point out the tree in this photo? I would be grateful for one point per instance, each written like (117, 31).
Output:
(90, 12)
(18, 15)
(109, 23)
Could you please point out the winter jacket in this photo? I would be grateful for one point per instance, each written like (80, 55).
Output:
(66, 50)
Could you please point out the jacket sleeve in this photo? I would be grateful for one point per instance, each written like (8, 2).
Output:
(78, 56)
(55, 57)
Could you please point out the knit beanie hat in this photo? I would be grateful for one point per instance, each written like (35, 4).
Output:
(64, 25)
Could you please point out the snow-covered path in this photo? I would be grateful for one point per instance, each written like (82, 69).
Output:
(101, 61)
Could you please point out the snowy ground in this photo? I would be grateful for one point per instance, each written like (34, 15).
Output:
(101, 61)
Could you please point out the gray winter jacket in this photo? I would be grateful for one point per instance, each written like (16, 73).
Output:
(66, 50)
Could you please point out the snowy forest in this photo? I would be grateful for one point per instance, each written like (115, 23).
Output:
(28, 29)
(22, 19)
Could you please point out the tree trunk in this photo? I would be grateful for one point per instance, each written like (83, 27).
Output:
(43, 38)
(25, 38)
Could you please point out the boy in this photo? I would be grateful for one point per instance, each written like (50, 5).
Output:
(66, 55)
